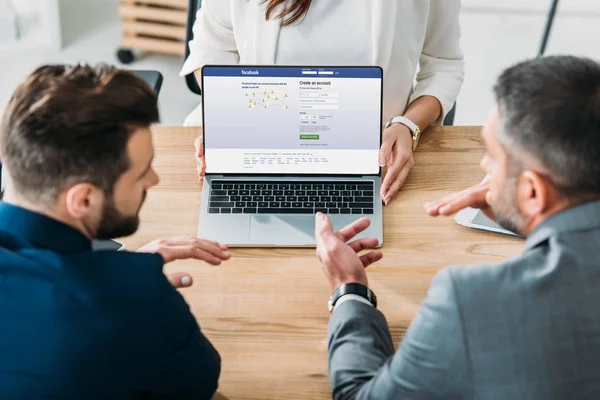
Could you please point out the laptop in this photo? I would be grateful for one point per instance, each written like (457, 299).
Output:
(282, 143)
(474, 218)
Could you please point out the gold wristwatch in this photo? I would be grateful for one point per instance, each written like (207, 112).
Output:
(414, 128)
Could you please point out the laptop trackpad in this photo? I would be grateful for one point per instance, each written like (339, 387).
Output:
(282, 230)
(233, 230)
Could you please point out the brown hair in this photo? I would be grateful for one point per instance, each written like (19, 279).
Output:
(292, 13)
(70, 124)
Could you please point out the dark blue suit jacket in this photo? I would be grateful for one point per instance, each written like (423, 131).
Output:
(77, 324)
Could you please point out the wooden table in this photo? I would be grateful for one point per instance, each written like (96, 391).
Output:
(265, 310)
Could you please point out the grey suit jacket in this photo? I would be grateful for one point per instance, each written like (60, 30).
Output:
(528, 328)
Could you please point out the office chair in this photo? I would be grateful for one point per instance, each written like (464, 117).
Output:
(152, 78)
(449, 119)
(548, 28)
(193, 7)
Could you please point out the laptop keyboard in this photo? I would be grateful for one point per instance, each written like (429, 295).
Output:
(245, 197)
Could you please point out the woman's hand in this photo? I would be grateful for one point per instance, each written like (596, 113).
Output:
(395, 153)
(199, 154)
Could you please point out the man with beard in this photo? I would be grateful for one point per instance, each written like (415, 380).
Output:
(527, 328)
(77, 148)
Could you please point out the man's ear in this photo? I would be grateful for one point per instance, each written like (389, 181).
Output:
(534, 194)
(82, 200)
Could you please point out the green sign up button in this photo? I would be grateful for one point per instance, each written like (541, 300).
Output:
(309, 137)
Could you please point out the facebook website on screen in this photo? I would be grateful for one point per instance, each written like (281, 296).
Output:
(289, 120)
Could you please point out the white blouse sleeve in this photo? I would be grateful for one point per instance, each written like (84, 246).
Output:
(441, 65)
(214, 40)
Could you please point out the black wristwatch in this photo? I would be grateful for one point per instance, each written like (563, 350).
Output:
(352, 288)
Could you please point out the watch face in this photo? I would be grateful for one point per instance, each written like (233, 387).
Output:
(373, 299)
(416, 137)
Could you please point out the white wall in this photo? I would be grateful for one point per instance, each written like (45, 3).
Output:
(24, 6)
(39, 24)
(8, 28)
(584, 7)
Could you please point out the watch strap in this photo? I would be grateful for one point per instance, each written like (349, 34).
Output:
(352, 288)
(404, 121)
(414, 128)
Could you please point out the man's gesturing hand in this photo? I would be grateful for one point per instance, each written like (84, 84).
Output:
(341, 262)
(475, 196)
(184, 248)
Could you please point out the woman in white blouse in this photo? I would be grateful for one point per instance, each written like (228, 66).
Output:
(408, 38)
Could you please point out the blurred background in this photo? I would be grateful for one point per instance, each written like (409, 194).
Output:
(496, 34)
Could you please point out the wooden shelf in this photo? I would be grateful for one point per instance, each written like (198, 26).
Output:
(155, 29)
(181, 4)
(153, 14)
(153, 45)
(154, 25)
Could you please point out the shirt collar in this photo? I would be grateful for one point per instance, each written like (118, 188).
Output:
(41, 231)
(579, 218)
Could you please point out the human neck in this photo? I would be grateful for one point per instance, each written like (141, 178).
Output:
(558, 206)
(51, 212)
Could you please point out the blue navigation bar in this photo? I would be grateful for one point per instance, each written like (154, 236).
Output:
(292, 72)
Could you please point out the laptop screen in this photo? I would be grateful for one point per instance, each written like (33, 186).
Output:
(292, 120)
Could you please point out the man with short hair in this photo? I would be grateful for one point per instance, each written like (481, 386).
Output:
(527, 328)
(77, 148)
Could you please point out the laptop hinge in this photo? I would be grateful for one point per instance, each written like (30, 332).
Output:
(259, 177)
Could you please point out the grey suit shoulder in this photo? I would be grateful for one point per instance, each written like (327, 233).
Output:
(526, 328)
